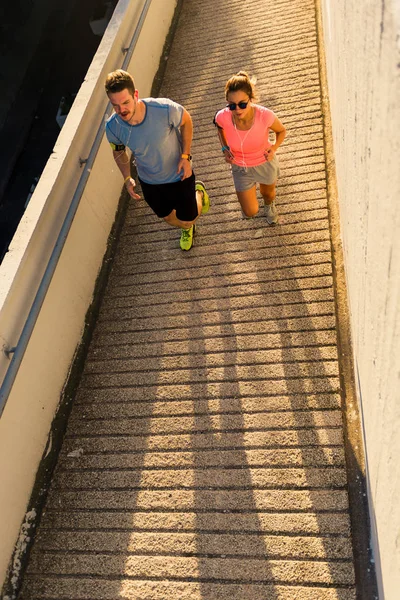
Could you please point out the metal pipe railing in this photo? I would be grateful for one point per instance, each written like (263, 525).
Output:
(18, 351)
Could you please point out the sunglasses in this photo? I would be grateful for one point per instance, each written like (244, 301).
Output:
(233, 105)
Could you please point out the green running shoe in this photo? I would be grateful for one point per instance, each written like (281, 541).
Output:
(186, 241)
(206, 198)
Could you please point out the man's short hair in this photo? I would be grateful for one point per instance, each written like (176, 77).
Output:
(119, 80)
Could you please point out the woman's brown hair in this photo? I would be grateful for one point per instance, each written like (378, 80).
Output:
(241, 82)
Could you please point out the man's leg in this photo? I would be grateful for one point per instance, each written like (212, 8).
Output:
(187, 229)
(173, 220)
(188, 226)
(183, 200)
(205, 198)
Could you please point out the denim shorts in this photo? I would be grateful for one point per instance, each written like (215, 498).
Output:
(245, 178)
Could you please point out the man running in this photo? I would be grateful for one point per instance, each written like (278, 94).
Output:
(159, 133)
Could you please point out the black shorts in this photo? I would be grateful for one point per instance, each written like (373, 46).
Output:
(163, 198)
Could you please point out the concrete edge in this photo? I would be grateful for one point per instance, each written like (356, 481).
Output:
(20, 556)
(159, 76)
(366, 582)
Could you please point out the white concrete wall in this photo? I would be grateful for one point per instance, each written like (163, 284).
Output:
(362, 45)
(25, 424)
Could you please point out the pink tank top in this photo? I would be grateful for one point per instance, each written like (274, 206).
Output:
(247, 147)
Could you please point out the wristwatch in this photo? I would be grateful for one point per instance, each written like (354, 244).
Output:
(187, 156)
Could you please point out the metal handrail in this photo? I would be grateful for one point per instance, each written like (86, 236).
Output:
(19, 350)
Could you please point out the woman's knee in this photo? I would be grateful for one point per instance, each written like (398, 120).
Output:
(248, 202)
(250, 211)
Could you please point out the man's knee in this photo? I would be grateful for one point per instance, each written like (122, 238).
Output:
(172, 219)
(186, 224)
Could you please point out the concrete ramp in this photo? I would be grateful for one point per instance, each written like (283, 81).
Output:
(204, 455)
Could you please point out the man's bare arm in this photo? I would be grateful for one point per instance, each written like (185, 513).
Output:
(123, 163)
(184, 165)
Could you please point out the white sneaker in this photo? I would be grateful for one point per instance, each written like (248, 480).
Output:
(271, 213)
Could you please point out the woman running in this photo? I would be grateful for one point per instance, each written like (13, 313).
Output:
(243, 130)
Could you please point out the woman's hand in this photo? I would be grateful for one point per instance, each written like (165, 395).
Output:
(269, 154)
(228, 156)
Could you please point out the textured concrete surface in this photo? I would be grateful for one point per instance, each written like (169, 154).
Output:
(204, 455)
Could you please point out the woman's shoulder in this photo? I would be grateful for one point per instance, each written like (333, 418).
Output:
(265, 114)
(222, 116)
(263, 109)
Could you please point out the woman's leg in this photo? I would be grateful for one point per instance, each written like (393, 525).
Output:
(248, 201)
(268, 192)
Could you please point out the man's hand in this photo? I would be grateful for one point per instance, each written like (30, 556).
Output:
(130, 185)
(184, 168)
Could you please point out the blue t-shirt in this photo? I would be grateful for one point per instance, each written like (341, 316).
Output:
(155, 142)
